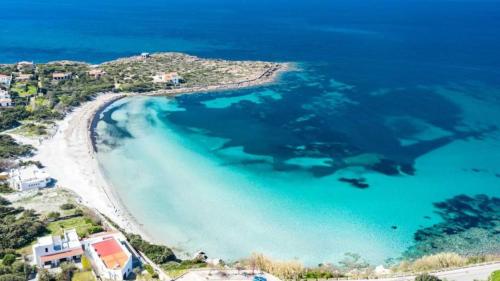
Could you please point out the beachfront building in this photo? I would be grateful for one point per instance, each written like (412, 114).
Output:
(145, 55)
(110, 254)
(96, 73)
(5, 79)
(51, 251)
(29, 177)
(169, 78)
(61, 76)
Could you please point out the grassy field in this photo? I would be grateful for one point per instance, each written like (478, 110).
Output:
(83, 276)
(24, 90)
(81, 224)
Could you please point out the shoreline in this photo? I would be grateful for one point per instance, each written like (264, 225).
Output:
(69, 155)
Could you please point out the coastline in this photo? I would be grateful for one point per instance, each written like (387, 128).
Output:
(69, 155)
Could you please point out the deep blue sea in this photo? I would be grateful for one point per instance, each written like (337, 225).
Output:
(384, 142)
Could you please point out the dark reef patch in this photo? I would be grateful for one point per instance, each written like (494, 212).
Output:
(470, 226)
(114, 133)
(359, 183)
(328, 123)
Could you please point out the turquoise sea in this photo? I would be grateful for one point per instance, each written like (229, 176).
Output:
(385, 142)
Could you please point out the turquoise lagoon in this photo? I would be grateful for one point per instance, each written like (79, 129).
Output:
(208, 171)
(395, 110)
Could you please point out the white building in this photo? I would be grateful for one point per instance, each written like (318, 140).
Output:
(110, 255)
(29, 177)
(50, 251)
(5, 99)
(5, 79)
(170, 77)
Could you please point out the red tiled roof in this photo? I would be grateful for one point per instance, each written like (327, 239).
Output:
(110, 253)
(58, 256)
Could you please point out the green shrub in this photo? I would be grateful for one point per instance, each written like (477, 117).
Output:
(67, 206)
(54, 215)
(9, 148)
(5, 188)
(95, 229)
(149, 269)
(426, 277)
(157, 253)
(8, 259)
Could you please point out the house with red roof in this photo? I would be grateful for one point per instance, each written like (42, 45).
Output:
(110, 255)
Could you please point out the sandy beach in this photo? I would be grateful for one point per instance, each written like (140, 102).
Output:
(69, 157)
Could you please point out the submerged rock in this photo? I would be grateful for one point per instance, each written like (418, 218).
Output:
(470, 226)
(359, 183)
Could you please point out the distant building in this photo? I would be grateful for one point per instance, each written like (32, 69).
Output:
(50, 251)
(145, 55)
(5, 79)
(110, 255)
(61, 76)
(170, 77)
(29, 177)
(96, 73)
(23, 77)
(6, 102)
(25, 65)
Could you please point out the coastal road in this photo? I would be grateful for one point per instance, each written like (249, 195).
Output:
(479, 273)
(474, 273)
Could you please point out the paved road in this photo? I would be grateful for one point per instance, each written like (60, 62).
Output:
(480, 273)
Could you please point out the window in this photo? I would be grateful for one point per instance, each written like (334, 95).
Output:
(46, 250)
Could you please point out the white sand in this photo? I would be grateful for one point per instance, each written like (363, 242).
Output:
(69, 158)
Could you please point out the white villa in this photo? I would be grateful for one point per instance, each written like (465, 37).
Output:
(50, 251)
(110, 255)
(170, 77)
(29, 177)
(5, 79)
(5, 99)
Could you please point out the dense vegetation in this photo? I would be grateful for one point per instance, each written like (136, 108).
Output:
(15, 271)
(9, 148)
(18, 227)
(157, 253)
